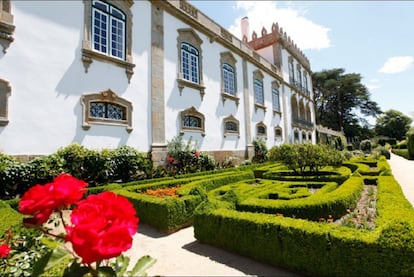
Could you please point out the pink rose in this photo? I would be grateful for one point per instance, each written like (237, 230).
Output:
(102, 227)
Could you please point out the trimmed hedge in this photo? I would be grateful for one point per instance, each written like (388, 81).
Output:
(9, 217)
(171, 214)
(318, 249)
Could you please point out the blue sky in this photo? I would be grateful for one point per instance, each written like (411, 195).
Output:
(372, 38)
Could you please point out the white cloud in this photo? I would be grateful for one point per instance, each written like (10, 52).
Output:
(373, 84)
(397, 64)
(305, 33)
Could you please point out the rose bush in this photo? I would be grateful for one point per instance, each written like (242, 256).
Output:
(101, 227)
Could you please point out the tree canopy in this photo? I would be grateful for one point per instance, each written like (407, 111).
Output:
(342, 102)
(393, 124)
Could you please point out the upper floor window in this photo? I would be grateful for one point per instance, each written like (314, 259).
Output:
(299, 78)
(231, 126)
(108, 30)
(108, 34)
(190, 63)
(258, 92)
(275, 97)
(261, 130)
(228, 77)
(190, 73)
(305, 83)
(278, 132)
(291, 70)
(192, 121)
(5, 90)
(106, 108)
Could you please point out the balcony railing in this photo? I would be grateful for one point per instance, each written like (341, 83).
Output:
(303, 123)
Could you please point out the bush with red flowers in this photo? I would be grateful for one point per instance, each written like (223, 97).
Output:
(101, 227)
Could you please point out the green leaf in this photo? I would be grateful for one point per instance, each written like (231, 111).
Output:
(76, 270)
(106, 271)
(142, 265)
(52, 244)
(49, 260)
(121, 265)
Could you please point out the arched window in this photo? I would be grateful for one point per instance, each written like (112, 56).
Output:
(231, 126)
(192, 121)
(278, 132)
(106, 108)
(108, 34)
(190, 73)
(258, 90)
(275, 97)
(261, 130)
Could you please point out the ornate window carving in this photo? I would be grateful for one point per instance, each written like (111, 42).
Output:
(258, 90)
(108, 34)
(261, 130)
(106, 108)
(5, 90)
(192, 121)
(6, 25)
(228, 77)
(231, 126)
(190, 73)
(275, 97)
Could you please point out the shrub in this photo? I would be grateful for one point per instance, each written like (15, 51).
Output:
(410, 144)
(305, 157)
(365, 146)
(260, 150)
(129, 164)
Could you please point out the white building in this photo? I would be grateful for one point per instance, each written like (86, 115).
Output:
(111, 73)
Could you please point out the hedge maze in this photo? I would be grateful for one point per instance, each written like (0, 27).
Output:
(269, 214)
(272, 215)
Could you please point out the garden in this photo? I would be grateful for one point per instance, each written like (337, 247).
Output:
(309, 208)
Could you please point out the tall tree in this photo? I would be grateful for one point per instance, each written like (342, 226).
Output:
(341, 100)
(393, 124)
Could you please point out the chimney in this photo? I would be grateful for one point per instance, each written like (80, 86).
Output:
(245, 28)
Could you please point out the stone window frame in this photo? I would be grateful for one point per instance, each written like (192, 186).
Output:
(298, 82)
(291, 70)
(188, 35)
(234, 120)
(278, 132)
(88, 54)
(276, 87)
(6, 25)
(5, 91)
(192, 111)
(258, 76)
(305, 83)
(228, 58)
(260, 125)
(110, 97)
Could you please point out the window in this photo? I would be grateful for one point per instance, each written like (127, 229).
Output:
(261, 130)
(305, 83)
(258, 90)
(275, 97)
(106, 108)
(299, 78)
(5, 91)
(192, 121)
(291, 71)
(108, 34)
(229, 77)
(6, 25)
(190, 73)
(278, 132)
(108, 29)
(189, 63)
(231, 126)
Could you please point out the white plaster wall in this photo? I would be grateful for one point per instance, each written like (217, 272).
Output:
(44, 68)
(211, 106)
(267, 53)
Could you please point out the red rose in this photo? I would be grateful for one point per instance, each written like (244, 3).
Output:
(102, 227)
(4, 250)
(41, 201)
(197, 154)
(170, 159)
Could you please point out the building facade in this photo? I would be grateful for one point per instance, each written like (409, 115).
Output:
(111, 73)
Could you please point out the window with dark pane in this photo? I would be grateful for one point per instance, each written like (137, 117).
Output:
(191, 121)
(258, 91)
(231, 126)
(107, 110)
(261, 130)
(276, 102)
(229, 79)
(278, 132)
